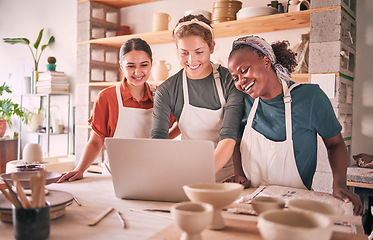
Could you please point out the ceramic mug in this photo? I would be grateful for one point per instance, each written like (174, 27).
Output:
(160, 21)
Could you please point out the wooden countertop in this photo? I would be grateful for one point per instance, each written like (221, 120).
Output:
(96, 194)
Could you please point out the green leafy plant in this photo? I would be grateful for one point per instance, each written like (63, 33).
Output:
(36, 55)
(9, 109)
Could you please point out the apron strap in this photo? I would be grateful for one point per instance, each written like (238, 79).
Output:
(252, 112)
(119, 96)
(219, 88)
(287, 102)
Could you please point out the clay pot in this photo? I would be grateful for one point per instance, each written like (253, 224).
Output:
(160, 70)
(32, 153)
(2, 127)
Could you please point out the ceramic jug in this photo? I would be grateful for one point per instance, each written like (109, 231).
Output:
(160, 70)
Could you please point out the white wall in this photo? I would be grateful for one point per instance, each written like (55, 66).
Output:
(362, 127)
(25, 18)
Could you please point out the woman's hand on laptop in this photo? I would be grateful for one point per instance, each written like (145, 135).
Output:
(70, 176)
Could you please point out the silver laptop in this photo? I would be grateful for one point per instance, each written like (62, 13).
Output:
(157, 169)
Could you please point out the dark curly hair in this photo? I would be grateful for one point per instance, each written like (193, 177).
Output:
(284, 55)
(194, 29)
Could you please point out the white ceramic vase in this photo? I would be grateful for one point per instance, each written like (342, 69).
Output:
(32, 153)
(36, 121)
(160, 70)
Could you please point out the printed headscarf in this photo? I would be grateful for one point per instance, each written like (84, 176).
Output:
(264, 47)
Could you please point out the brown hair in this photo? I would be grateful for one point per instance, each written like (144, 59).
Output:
(194, 29)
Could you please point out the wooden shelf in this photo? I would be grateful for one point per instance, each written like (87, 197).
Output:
(270, 23)
(121, 3)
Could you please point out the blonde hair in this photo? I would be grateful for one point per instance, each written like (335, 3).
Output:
(194, 25)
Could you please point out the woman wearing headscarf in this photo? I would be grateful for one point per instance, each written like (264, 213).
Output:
(282, 120)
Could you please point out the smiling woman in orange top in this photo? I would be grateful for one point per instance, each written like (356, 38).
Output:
(124, 110)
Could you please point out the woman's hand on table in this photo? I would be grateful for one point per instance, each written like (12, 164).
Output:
(70, 176)
(348, 196)
(239, 179)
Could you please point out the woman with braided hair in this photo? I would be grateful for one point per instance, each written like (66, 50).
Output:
(282, 120)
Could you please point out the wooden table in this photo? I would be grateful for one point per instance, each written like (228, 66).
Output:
(95, 192)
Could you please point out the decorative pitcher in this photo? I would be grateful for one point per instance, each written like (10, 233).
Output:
(160, 70)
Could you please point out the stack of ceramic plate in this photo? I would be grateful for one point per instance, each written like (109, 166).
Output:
(249, 12)
(225, 10)
(123, 30)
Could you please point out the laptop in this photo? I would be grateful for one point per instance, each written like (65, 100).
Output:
(157, 169)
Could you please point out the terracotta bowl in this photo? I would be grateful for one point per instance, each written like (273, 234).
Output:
(293, 225)
(262, 204)
(25, 177)
(304, 205)
(219, 195)
(192, 218)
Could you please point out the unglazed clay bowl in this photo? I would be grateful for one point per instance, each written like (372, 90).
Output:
(219, 195)
(306, 205)
(262, 204)
(192, 218)
(282, 224)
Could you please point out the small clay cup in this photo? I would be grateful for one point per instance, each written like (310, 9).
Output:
(262, 204)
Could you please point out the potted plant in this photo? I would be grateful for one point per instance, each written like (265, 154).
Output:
(35, 54)
(51, 66)
(9, 109)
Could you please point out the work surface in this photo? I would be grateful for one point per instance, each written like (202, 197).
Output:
(95, 193)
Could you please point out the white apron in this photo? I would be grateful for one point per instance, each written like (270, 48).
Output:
(204, 124)
(132, 123)
(267, 162)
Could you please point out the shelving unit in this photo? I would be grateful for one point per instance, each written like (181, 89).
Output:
(270, 23)
(45, 102)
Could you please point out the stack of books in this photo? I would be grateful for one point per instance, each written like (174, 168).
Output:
(52, 82)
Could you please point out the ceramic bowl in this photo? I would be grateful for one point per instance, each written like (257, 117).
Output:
(25, 178)
(305, 205)
(249, 12)
(293, 225)
(192, 218)
(219, 195)
(262, 204)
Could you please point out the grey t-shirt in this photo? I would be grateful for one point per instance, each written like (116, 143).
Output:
(203, 94)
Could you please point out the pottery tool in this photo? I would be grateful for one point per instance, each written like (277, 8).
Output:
(156, 210)
(6, 194)
(15, 201)
(121, 219)
(77, 201)
(97, 219)
(22, 196)
(149, 213)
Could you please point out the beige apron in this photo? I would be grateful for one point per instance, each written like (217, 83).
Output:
(204, 124)
(132, 123)
(267, 162)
